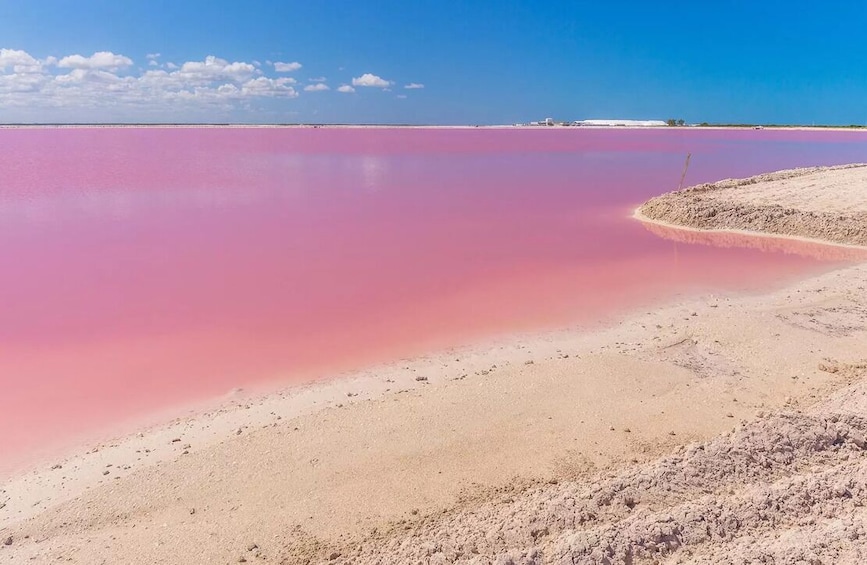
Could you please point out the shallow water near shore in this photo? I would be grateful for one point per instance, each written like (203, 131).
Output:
(145, 268)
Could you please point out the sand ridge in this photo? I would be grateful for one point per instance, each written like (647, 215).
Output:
(715, 500)
(826, 204)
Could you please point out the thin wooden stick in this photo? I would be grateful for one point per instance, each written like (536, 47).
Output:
(685, 167)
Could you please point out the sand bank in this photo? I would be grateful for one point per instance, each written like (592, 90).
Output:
(824, 204)
(568, 446)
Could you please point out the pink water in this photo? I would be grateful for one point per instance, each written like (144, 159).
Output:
(146, 268)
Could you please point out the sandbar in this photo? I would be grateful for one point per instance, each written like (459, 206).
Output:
(819, 204)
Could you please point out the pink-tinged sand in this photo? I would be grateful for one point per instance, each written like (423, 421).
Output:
(147, 268)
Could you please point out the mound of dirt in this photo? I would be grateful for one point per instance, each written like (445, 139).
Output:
(784, 488)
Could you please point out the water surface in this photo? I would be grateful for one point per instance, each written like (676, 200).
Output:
(147, 267)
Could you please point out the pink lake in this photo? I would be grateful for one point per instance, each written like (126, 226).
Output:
(145, 268)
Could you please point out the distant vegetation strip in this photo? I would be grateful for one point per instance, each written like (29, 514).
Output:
(849, 126)
(669, 122)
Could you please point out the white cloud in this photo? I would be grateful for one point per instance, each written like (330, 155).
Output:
(287, 67)
(26, 75)
(368, 79)
(401, 96)
(109, 87)
(16, 58)
(264, 86)
(87, 75)
(214, 68)
(413, 86)
(99, 60)
(14, 86)
(228, 89)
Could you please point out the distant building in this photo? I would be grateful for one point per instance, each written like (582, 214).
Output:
(545, 122)
(621, 123)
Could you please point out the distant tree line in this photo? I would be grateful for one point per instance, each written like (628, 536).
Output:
(677, 122)
(782, 126)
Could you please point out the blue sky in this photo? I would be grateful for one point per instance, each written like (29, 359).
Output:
(466, 62)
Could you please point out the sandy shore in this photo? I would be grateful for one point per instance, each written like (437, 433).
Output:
(825, 204)
(722, 428)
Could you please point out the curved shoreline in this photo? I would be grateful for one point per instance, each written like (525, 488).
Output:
(655, 436)
(438, 450)
(744, 206)
(638, 215)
